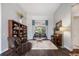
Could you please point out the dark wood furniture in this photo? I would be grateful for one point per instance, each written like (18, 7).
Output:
(56, 38)
(17, 37)
(17, 30)
(36, 35)
(18, 51)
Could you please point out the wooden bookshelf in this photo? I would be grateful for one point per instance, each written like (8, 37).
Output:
(17, 30)
(17, 37)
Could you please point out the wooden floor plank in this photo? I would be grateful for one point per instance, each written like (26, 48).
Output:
(60, 52)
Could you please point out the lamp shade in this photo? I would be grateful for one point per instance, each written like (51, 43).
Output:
(63, 28)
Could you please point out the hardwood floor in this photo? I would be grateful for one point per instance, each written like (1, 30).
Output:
(60, 52)
(75, 52)
(40, 52)
(46, 52)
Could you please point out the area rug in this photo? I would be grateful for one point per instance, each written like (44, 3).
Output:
(42, 44)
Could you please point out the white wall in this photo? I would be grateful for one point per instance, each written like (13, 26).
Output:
(8, 12)
(64, 13)
(0, 28)
(37, 17)
(75, 27)
(75, 32)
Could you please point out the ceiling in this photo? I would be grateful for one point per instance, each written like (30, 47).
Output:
(75, 10)
(40, 8)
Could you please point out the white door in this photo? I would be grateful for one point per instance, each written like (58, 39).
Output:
(75, 32)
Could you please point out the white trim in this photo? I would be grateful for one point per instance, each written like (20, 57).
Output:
(70, 49)
(0, 28)
(4, 50)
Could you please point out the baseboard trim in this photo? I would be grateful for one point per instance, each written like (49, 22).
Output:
(4, 51)
(68, 48)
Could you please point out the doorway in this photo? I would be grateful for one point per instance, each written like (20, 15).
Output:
(75, 26)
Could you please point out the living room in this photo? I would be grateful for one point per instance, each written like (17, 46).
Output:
(41, 22)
